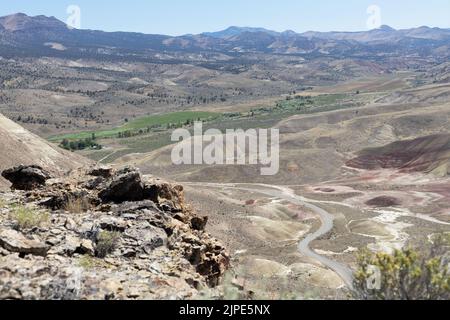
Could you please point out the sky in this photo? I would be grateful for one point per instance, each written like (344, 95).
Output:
(177, 17)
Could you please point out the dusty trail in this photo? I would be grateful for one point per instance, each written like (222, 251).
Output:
(285, 193)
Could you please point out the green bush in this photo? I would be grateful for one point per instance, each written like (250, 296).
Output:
(406, 274)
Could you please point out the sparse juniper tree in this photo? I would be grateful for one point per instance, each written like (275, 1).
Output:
(65, 144)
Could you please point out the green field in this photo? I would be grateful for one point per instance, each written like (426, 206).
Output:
(299, 105)
(140, 123)
(314, 104)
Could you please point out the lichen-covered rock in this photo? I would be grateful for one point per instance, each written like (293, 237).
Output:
(147, 238)
(207, 254)
(167, 196)
(15, 241)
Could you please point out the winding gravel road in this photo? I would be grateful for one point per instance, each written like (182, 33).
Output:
(285, 193)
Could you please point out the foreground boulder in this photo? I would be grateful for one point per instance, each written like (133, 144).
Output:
(126, 185)
(26, 177)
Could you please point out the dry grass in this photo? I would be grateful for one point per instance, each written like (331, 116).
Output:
(89, 263)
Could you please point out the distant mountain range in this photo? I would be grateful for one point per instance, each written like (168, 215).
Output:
(235, 31)
(383, 33)
(36, 36)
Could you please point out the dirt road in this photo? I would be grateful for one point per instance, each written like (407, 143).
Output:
(287, 194)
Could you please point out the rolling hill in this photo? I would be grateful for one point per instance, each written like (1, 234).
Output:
(429, 154)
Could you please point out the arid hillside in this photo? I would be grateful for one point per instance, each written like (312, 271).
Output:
(315, 147)
(426, 154)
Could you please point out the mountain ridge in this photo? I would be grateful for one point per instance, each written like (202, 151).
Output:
(21, 21)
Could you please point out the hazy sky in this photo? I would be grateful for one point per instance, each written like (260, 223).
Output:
(177, 17)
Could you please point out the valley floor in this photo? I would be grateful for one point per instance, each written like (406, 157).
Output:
(302, 241)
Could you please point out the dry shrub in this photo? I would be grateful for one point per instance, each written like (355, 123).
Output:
(28, 218)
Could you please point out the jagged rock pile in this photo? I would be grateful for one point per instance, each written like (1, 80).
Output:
(103, 234)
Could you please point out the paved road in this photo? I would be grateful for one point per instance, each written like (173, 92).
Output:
(304, 247)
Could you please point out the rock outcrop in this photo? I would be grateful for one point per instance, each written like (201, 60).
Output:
(126, 185)
(14, 241)
(111, 235)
